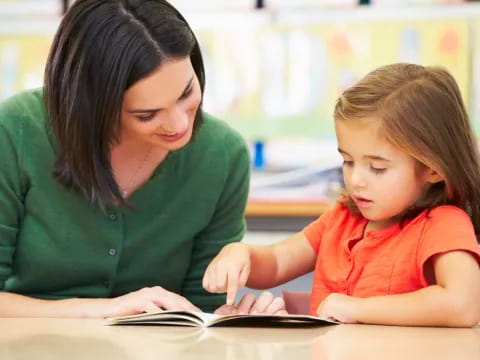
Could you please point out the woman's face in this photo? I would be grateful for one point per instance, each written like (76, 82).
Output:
(160, 109)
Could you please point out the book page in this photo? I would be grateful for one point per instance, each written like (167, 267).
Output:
(202, 319)
(208, 318)
(162, 317)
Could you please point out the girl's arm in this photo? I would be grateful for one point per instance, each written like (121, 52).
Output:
(452, 301)
(258, 266)
(280, 262)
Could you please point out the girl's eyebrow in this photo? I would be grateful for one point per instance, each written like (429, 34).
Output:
(376, 157)
(185, 90)
(371, 157)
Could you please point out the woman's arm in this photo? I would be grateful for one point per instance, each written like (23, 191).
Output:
(143, 300)
(14, 305)
(453, 300)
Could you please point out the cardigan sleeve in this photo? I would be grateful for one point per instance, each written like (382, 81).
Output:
(11, 194)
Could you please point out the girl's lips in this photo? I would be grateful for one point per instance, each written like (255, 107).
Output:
(362, 202)
(173, 137)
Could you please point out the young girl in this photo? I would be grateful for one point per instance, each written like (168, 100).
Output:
(400, 247)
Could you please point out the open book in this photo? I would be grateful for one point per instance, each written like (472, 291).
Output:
(201, 319)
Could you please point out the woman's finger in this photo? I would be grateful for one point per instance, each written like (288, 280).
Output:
(172, 301)
(150, 307)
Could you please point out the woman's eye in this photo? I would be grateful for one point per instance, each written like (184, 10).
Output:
(347, 162)
(146, 117)
(378, 170)
(186, 94)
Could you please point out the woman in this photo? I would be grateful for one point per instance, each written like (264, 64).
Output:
(115, 189)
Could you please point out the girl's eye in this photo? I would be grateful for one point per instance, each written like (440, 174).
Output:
(146, 117)
(347, 163)
(378, 170)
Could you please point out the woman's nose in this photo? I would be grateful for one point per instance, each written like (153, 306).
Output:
(176, 120)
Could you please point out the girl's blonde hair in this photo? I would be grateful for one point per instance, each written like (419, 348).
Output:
(420, 111)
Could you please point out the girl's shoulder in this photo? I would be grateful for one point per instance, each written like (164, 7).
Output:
(445, 220)
(442, 229)
(448, 213)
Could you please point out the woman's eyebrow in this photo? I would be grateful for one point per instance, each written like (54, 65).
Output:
(185, 90)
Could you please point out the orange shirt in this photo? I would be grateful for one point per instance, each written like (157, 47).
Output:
(385, 261)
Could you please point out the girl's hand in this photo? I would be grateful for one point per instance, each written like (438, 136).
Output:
(228, 271)
(266, 304)
(149, 299)
(339, 307)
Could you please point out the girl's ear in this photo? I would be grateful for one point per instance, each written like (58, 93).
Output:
(432, 176)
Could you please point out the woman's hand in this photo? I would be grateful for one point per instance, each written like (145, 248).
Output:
(339, 307)
(266, 304)
(149, 299)
(228, 271)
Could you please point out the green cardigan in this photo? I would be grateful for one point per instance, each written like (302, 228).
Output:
(54, 244)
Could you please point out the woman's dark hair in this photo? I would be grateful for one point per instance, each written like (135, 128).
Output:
(102, 48)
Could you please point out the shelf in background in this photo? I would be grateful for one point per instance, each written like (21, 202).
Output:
(282, 216)
(285, 208)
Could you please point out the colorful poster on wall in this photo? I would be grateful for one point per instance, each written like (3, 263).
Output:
(22, 62)
(272, 79)
(278, 79)
(475, 75)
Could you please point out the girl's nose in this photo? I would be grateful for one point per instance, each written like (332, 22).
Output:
(357, 178)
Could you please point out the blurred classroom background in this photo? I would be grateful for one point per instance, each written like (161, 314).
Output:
(274, 70)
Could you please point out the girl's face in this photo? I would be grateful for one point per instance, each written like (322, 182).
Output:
(160, 109)
(381, 179)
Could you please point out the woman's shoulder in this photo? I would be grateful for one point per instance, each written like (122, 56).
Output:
(24, 106)
(214, 129)
(216, 137)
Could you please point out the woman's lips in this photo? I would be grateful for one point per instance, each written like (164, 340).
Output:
(173, 136)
